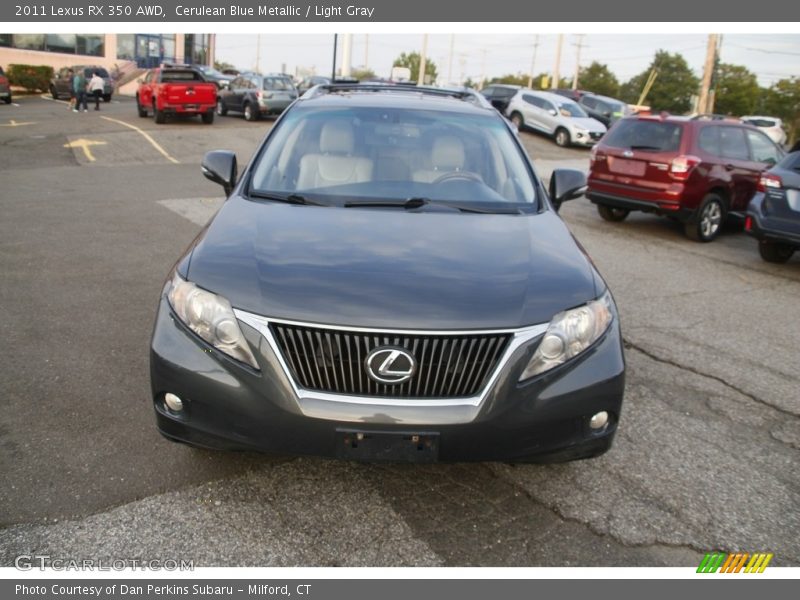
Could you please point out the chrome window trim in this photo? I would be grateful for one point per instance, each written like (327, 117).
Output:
(378, 409)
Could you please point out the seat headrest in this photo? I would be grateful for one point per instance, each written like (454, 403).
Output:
(336, 137)
(447, 154)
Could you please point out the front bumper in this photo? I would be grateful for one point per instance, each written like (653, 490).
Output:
(585, 138)
(228, 405)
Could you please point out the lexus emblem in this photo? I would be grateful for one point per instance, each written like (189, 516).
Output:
(390, 365)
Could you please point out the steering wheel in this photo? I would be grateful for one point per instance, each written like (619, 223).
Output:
(455, 175)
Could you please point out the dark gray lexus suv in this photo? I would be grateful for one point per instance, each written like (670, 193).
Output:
(389, 280)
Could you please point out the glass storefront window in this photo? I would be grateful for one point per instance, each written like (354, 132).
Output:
(91, 45)
(29, 41)
(61, 42)
(125, 46)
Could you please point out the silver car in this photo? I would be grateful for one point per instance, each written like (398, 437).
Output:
(554, 115)
(772, 126)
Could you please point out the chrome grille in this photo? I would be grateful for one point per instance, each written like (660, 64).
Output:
(330, 360)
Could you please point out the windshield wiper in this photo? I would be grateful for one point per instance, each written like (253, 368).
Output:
(289, 198)
(418, 202)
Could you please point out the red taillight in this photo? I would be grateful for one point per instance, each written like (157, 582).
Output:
(768, 181)
(748, 223)
(681, 166)
(595, 156)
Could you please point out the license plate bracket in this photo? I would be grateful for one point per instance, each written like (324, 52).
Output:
(392, 446)
(626, 167)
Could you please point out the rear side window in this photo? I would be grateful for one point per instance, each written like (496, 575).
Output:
(657, 136)
(275, 83)
(761, 148)
(732, 143)
(761, 122)
(708, 140)
(588, 102)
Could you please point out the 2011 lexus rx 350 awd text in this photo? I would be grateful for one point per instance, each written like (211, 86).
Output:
(389, 280)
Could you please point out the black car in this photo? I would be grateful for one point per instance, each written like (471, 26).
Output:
(500, 95)
(255, 95)
(389, 280)
(211, 74)
(773, 215)
(606, 110)
(61, 83)
(308, 82)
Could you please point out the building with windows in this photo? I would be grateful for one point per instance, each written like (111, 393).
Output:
(115, 51)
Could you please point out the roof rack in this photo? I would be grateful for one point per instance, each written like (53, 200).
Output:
(332, 88)
(712, 117)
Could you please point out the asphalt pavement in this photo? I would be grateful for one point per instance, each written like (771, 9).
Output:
(96, 207)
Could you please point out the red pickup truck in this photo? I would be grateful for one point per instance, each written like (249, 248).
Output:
(176, 90)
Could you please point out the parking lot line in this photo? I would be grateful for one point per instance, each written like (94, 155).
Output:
(147, 137)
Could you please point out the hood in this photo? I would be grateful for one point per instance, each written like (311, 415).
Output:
(588, 123)
(390, 268)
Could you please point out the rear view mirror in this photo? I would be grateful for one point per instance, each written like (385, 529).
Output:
(566, 184)
(220, 167)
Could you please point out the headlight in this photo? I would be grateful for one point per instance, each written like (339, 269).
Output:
(211, 317)
(570, 333)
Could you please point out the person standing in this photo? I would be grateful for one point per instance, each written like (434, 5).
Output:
(70, 78)
(79, 87)
(96, 88)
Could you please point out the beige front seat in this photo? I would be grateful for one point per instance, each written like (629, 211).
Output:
(335, 163)
(447, 156)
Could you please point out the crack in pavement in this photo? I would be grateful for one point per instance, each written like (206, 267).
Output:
(630, 344)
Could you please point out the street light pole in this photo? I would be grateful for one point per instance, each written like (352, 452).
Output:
(333, 72)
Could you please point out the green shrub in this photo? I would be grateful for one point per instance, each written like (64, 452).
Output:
(34, 78)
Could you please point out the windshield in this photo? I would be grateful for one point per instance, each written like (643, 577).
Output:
(343, 155)
(571, 109)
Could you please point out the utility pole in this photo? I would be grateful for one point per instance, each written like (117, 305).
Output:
(579, 45)
(333, 71)
(258, 52)
(450, 59)
(704, 105)
(557, 69)
(533, 62)
(347, 54)
(423, 59)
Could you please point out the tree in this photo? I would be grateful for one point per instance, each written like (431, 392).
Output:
(362, 74)
(411, 61)
(736, 90)
(510, 79)
(673, 87)
(783, 100)
(222, 65)
(598, 79)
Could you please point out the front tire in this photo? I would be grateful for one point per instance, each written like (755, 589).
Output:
(141, 109)
(612, 214)
(775, 252)
(221, 110)
(518, 120)
(8, 99)
(562, 137)
(107, 98)
(53, 93)
(706, 223)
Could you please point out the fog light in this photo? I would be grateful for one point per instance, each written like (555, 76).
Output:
(599, 420)
(176, 404)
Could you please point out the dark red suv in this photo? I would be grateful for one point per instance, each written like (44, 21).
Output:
(697, 170)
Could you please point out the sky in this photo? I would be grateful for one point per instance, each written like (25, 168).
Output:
(770, 56)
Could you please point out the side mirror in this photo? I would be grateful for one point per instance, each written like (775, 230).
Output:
(553, 111)
(220, 167)
(566, 184)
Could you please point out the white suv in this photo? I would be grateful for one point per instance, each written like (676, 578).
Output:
(772, 126)
(554, 115)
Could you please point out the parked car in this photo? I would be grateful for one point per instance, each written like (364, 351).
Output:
(500, 95)
(213, 75)
(554, 115)
(389, 280)
(176, 90)
(256, 95)
(773, 215)
(308, 82)
(5, 87)
(574, 95)
(603, 108)
(772, 126)
(697, 171)
(61, 83)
